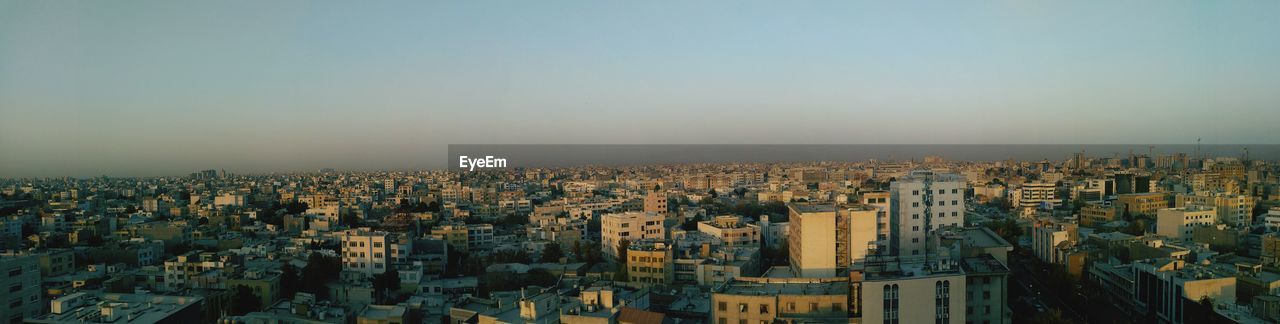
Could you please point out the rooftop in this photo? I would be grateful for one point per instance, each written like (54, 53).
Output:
(785, 286)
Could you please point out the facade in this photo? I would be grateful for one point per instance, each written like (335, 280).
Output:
(811, 240)
(1096, 214)
(648, 263)
(903, 293)
(732, 230)
(1037, 194)
(1142, 203)
(21, 283)
(921, 202)
(1166, 287)
(366, 252)
(767, 300)
(632, 227)
(1048, 235)
(199, 270)
(1181, 222)
(986, 288)
(1234, 210)
(656, 202)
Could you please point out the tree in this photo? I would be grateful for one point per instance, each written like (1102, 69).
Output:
(551, 253)
(289, 280)
(320, 271)
(621, 274)
(245, 301)
(1053, 316)
(386, 283)
(577, 250)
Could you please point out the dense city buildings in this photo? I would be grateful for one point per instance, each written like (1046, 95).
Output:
(874, 241)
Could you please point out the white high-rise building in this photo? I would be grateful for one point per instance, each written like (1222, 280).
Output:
(920, 202)
(631, 226)
(367, 252)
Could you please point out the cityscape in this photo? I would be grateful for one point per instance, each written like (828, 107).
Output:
(639, 162)
(1133, 239)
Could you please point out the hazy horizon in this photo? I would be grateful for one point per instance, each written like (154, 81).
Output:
(143, 88)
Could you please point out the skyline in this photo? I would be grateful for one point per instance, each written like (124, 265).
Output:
(156, 88)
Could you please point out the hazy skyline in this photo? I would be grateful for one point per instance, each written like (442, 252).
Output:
(169, 87)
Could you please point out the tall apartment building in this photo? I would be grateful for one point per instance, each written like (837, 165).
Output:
(825, 239)
(920, 202)
(631, 226)
(880, 201)
(367, 252)
(20, 280)
(811, 240)
(1179, 223)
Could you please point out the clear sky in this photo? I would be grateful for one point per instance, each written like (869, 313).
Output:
(169, 87)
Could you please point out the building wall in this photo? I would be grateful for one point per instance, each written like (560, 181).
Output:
(1180, 222)
(628, 226)
(916, 210)
(366, 252)
(812, 243)
(732, 309)
(916, 299)
(20, 281)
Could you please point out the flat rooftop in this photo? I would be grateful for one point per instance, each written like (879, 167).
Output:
(813, 208)
(795, 286)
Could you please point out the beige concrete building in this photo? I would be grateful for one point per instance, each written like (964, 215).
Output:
(631, 226)
(909, 293)
(1234, 210)
(732, 230)
(811, 240)
(1142, 203)
(768, 300)
(1096, 214)
(366, 252)
(649, 263)
(656, 202)
(1180, 222)
(1047, 235)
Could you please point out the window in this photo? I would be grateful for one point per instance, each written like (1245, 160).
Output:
(835, 307)
(15, 287)
(742, 308)
(813, 307)
(764, 308)
(723, 320)
(915, 192)
(791, 307)
(915, 204)
(891, 304)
